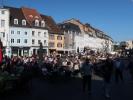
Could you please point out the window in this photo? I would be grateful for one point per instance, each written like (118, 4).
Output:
(23, 22)
(45, 34)
(15, 21)
(12, 32)
(18, 32)
(25, 40)
(33, 33)
(51, 37)
(18, 40)
(64, 26)
(59, 37)
(45, 41)
(39, 41)
(51, 44)
(36, 23)
(3, 33)
(36, 17)
(2, 12)
(39, 33)
(42, 24)
(59, 45)
(25, 33)
(2, 23)
(31, 16)
(12, 40)
(33, 41)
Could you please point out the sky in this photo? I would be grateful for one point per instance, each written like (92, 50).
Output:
(114, 17)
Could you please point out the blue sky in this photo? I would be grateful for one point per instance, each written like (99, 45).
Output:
(115, 17)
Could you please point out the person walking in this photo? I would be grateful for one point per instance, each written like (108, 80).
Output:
(107, 70)
(76, 67)
(119, 66)
(86, 72)
(130, 67)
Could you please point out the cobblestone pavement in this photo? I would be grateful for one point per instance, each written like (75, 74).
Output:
(71, 90)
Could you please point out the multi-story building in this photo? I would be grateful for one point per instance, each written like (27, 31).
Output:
(88, 37)
(56, 36)
(104, 40)
(70, 32)
(39, 31)
(129, 44)
(26, 30)
(23, 29)
(4, 29)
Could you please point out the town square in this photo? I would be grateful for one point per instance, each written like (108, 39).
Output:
(66, 50)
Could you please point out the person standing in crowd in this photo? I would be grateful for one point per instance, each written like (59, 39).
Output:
(107, 70)
(130, 67)
(86, 72)
(119, 65)
(76, 67)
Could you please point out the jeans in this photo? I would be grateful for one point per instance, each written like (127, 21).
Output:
(107, 88)
(86, 82)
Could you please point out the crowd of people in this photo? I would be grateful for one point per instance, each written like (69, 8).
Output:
(65, 67)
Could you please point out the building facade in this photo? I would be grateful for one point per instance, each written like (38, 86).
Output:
(88, 37)
(70, 32)
(4, 29)
(27, 30)
(19, 41)
(23, 29)
(56, 36)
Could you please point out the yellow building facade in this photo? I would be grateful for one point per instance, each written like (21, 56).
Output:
(56, 36)
(56, 43)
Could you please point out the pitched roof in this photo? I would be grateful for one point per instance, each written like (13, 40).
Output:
(73, 19)
(31, 15)
(69, 27)
(16, 13)
(53, 28)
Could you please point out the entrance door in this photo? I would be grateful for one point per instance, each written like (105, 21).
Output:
(20, 52)
(34, 51)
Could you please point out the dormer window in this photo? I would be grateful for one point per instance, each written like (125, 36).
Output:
(36, 17)
(3, 12)
(30, 16)
(15, 21)
(23, 22)
(36, 23)
(42, 24)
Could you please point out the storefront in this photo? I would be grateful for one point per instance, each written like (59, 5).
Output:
(51, 51)
(20, 51)
(35, 51)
